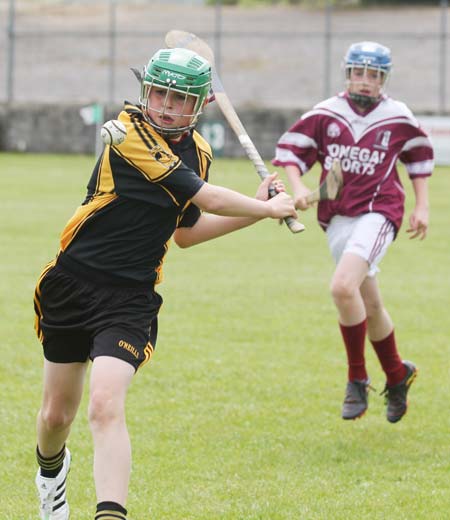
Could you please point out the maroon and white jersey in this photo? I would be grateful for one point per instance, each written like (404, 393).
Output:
(368, 147)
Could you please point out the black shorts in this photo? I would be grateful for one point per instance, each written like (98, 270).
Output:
(77, 319)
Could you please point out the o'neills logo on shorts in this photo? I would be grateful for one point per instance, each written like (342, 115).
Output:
(129, 347)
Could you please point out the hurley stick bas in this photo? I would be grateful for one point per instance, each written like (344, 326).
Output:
(331, 186)
(190, 41)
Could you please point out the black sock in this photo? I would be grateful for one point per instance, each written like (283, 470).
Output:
(50, 466)
(110, 511)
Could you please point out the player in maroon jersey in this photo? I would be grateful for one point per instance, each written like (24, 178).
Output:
(368, 131)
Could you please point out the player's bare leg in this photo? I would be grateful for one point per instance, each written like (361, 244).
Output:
(110, 378)
(379, 323)
(63, 388)
(345, 288)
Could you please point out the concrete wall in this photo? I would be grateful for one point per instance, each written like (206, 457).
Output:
(273, 56)
(60, 129)
(45, 128)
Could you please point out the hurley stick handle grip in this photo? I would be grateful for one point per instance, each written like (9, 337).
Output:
(294, 225)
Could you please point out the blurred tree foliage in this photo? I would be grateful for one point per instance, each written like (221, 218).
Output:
(400, 2)
(322, 3)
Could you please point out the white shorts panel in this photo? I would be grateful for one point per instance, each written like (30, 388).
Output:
(367, 236)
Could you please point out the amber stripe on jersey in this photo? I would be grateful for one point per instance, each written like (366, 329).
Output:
(82, 214)
(105, 179)
(144, 154)
(37, 299)
(143, 131)
(204, 158)
(156, 160)
(159, 269)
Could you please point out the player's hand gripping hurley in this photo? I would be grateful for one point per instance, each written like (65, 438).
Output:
(190, 41)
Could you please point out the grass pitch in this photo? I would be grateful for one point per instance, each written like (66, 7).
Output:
(237, 417)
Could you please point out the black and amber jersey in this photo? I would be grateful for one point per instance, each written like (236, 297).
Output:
(138, 194)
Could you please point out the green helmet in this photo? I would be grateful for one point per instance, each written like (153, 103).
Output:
(179, 70)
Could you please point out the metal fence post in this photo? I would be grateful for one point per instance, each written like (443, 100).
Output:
(112, 51)
(218, 35)
(327, 51)
(11, 51)
(443, 57)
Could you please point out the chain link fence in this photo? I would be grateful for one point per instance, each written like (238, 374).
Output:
(278, 56)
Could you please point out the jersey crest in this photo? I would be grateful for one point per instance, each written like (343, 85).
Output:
(382, 139)
(161, 155)
(333, 130)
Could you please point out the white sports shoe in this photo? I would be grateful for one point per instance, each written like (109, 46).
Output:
(52, 493)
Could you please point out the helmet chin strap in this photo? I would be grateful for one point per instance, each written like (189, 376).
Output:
(363, 101)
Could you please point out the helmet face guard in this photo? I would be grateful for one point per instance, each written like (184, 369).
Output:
(369, 58)
(175, 72)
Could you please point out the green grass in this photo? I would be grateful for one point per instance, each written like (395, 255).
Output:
(237, 417)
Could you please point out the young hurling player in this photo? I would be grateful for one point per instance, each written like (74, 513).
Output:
(368, 132)
(97, 301)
